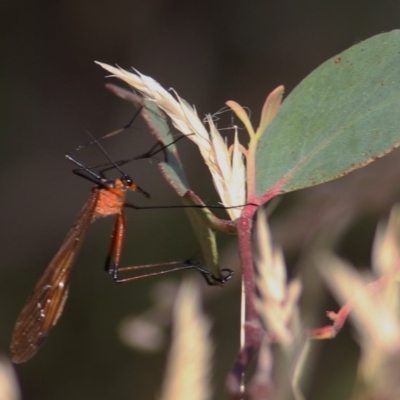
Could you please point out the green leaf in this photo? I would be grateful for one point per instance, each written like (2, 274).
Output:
(171, 168)
(343, 116)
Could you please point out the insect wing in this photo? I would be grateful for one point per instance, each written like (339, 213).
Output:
(46, 303)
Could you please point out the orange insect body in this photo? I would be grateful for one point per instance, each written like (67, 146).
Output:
(111, 200)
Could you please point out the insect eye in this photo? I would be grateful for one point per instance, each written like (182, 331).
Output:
(127, 180)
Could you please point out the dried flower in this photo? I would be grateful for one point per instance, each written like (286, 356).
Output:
(225, 163)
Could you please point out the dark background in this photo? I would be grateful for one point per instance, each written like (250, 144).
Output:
(210, 52)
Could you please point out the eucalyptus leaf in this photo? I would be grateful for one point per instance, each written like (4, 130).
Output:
(342, 116)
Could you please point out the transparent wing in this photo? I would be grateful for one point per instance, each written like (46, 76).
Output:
(46, 303)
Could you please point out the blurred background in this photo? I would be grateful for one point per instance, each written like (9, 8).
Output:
(210, 52)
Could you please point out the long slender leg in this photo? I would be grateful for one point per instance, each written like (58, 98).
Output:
(148, 154)
(107, 135)
(207, 275)
(111, 248)
(116, 244)
(115, 252)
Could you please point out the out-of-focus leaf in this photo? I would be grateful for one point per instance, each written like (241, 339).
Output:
(9, 389)
(189, 364)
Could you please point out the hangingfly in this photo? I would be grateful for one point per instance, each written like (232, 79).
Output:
(46, 303)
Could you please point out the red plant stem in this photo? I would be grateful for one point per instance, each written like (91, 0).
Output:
(253, 331)
(339, 318)
(244, 227)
